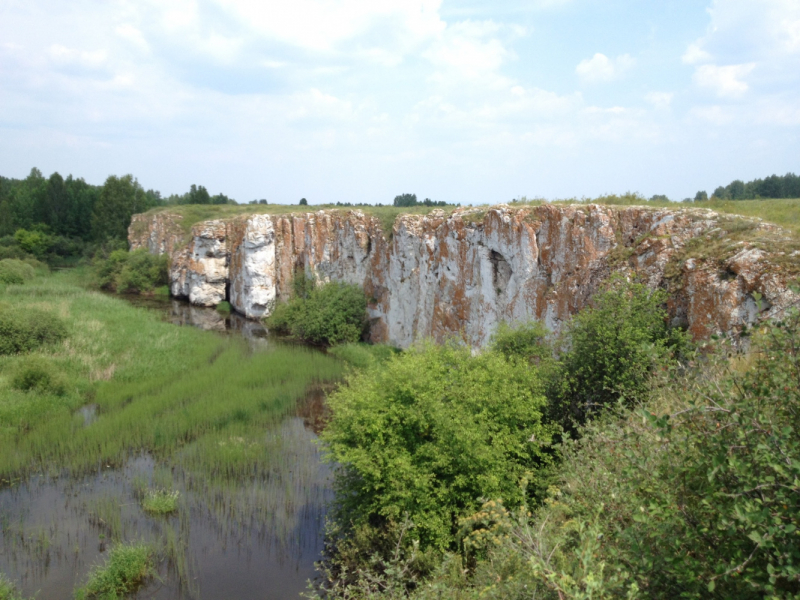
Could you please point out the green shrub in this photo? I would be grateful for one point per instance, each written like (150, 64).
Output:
(137, 271)
(33, 242)
(333, 313)
(8, 591)
(525, 340)
(15, 271)
(36, 373)
(611, 349)
(694, 495)
(429, 434)
(22, 330)
(127, 568)
(160, 502)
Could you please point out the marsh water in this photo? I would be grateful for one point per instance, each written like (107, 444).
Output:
(229, 539)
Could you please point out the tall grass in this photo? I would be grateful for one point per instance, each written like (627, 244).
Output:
(157, 388)
(127, 568)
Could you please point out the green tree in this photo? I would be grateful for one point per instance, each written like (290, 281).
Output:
(120, 198)
(701, 196)
(610, 350)
(303, 202)
(431, 432)
(405, 200)
(198, 195)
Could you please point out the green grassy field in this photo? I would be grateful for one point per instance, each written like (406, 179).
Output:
(148, 386)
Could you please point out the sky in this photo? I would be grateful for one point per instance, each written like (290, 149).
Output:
(472, 102)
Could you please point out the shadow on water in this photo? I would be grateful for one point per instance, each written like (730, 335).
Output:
(229, 539)
(181, 312)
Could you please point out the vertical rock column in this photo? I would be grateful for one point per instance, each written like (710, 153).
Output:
(253, 278)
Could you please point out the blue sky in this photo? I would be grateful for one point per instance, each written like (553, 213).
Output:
(360, 100)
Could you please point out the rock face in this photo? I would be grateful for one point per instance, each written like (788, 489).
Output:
(461, 274)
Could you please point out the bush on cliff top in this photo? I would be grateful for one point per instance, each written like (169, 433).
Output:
(333, 313)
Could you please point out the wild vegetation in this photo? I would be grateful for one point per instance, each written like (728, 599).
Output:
(8, 591)
(130, 366)
(328, 314)
(127, 568)
(679, 478)
(136, 271)
(88, 381)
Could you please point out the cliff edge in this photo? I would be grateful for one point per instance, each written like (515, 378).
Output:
(460, 274)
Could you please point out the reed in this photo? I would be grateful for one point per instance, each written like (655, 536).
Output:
(157, 388)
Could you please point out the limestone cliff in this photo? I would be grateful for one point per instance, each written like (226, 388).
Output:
(461, 274)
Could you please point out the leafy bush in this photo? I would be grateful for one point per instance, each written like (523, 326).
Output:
(332, 313)
(525, 340)
(22, 330)
(15, 271)
(429, 434)
(611, 349)
(694, 495)
(127, 568)
(33, 242)
(36, 373)
(137, 271)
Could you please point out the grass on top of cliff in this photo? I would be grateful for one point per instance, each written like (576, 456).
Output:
(129, 383)
(196, 213)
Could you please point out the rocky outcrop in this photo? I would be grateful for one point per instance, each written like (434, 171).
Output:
(461, 274)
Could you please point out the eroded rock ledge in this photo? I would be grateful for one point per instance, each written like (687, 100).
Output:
(461, 274)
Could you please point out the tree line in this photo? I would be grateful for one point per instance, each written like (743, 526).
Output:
(72, 208)
(774, 186)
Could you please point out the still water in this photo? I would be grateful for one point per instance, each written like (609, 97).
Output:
(229, 540)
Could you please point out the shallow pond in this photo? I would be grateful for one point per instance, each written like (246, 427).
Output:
(228, 539)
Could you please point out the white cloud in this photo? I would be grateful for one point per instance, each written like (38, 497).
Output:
(759, 41)
(660, 100)
(133, 35)
(724, 81)
(321, 25)
(695, 54)
(70, 56)
(469, 50)
(600, 68)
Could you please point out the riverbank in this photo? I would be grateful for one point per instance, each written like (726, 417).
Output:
(145, 406)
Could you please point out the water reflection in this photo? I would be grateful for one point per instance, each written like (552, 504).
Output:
(181, 312)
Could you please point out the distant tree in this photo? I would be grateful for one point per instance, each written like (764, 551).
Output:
(119, 199)
(405, 200)
(262, 201)
(736, 190)
(198, 195)
(720, 194)
(701, 196)
(303, 202)
(659, 198)
(222, 199)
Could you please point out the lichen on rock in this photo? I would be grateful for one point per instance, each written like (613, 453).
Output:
(461, 274)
